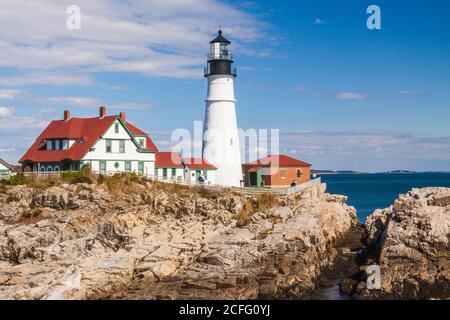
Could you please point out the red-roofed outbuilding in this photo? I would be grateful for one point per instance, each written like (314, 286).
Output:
(276, 171)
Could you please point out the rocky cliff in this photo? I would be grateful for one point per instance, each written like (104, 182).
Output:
(410, 241)
(151, 241)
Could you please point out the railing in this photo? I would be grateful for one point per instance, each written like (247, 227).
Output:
(207, 71)
(249, 191)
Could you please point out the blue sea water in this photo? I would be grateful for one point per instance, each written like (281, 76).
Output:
(367, 192)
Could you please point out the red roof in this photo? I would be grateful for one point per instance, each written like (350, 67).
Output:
(278, 161)
(198, 163)
(169, 159)
(90, 129)
(149, 145)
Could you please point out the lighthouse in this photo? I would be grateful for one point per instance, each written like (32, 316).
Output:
(220, 133)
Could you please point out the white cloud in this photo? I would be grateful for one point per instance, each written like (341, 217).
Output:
(87, 102)
(7, 150)
(6, 112)
(410, 92)
(300, 88)
(320, 21)
(9, 94)
(369, 151)
(47, 78)
(152, 38)
(351, 96)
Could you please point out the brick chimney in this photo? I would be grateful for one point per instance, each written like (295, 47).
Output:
(66, 115)
(102, 112)
(123, 116)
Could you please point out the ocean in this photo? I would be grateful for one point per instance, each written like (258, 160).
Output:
(367, 192)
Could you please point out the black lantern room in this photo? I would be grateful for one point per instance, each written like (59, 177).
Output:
(220, 60)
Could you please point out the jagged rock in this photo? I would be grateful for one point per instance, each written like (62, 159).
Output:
(156, 244)
(410, 242)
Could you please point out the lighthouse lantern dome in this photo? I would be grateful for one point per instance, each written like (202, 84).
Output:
(220, 48)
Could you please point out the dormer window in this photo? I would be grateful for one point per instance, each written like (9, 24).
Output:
(82, 141)
(142, 142)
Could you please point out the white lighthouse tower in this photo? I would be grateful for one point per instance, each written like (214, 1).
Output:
(220, 133)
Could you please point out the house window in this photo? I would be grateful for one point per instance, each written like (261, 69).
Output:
(141, 142)
(122, 146)
(299, 173)
(102, 166)
(116, 165)
(174, 172)
(282, 173)
(116, 128)
(108, 146)
(127, 166)
(165, 173)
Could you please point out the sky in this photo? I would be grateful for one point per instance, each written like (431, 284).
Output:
(342, 96)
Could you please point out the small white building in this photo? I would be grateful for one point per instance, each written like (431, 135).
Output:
(169, 165)
(108, 144)
(5, 169)
(197, 168)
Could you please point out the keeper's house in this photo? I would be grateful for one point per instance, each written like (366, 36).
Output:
(106, 143)
(276, 171)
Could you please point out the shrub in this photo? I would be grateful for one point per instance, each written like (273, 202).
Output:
(76, 177)
(15, 180)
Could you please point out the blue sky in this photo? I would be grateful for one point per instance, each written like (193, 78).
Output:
(343, 96)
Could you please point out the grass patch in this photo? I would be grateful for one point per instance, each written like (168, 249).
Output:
(171, 187)
(74, 177)
(121, 183)
(266, 201)
(263, 202)
(244, 217)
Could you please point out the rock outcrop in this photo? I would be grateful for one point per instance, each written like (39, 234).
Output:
(410, 242)
(81, 242)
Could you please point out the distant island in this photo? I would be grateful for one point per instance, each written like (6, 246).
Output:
(322, 172)
(316, 172)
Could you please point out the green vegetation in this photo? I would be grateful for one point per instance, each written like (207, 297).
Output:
(75, 177)
(15, 180)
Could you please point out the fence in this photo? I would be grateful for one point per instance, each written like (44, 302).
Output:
(241, 190)
(5, 175)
